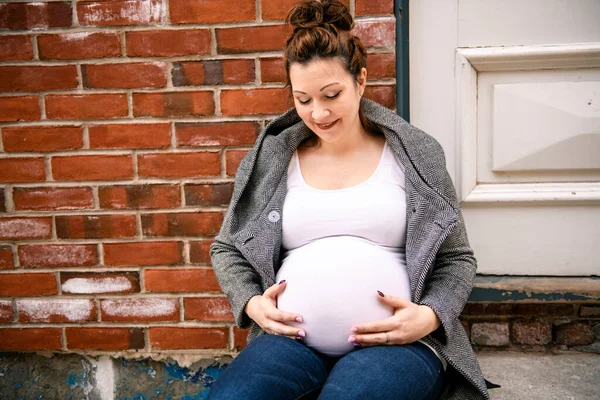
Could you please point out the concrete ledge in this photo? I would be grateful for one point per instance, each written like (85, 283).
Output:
(542, 376)
(530, 288)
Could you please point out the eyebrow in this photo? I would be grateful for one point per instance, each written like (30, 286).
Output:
(332, 83)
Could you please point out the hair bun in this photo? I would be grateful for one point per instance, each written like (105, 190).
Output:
(325, 13)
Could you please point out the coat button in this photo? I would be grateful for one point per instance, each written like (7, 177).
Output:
(274, 216)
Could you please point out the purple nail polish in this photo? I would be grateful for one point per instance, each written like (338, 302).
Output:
(299, 319)
(280, 282)
(357, 345)
(354, 330)
(351, 339)
(299, 339)
(301, 334)
(379, 293)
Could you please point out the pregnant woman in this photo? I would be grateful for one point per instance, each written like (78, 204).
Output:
(343, 248)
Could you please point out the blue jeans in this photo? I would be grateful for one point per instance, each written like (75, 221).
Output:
(276, 367)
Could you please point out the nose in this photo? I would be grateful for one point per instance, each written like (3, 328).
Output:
(319, 112)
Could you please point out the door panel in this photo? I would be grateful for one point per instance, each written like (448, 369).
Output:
(511, 89)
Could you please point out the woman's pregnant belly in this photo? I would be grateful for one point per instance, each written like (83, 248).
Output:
(333, 282)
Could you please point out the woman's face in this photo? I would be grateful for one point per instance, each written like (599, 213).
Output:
(327, 98)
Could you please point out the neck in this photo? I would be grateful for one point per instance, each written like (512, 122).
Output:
(350, 143)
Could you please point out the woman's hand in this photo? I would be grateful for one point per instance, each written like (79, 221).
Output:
(263, 310)
(409, 323)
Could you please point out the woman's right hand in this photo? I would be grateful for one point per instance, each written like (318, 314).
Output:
(263, 310)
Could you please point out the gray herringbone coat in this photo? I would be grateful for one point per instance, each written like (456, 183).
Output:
(440, 263)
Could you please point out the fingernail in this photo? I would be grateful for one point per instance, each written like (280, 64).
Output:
(357, 345)
(354, 330)
(301, 333)
(298, 339)
(351, 339)
(379, 293)
(299, 319)
(280, 282)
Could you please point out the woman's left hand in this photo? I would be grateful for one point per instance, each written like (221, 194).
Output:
(409, 323)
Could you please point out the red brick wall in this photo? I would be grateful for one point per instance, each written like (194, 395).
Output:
(122, 124)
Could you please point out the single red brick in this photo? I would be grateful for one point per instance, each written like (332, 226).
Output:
(207, 309)
(216, 134)
(95, 226)
(383, 94)
(200, 252)
(15, 48)
(58, 255)
(42, 138)
(171, 338)
(272, 70)
(86, 106)
(56, 198)
(213, 195)
(214, 72)
(238, 71)
(22, 169)
(56, 310)
(179, 165)
(139, 310)
(278, 9)
(182, 224)
(172, 104)
(125, 75)
(168, 43)
(179, 280)
(240, 338)
(37, 78)
(104, 338)
(381, 66)
(139, 196)
(233, 158)
(35, 15)
(256, 101)
(490, 334)
(30, 339)
(531, 332)
(18, 228)
(377, 7)
(120, 12)
(574, 333)
(251, 39)
(6, 312)
(143, 253)
(80, 45)
(376, 33)
(19, 108)
(474, 309)
(14, 285)
(592, 310)
(99, 282)
(129, 136)
(6, 258)
(100, 167)
(210, 11)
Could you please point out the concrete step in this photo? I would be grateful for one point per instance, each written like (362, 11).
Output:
(542, 376)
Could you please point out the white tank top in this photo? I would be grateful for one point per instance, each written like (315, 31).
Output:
(341, 247)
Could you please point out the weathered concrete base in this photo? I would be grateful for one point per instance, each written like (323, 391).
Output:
(73, 376)
(542, 376)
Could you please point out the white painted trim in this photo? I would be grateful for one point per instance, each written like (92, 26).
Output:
(513, 58)
(471, 61)
(536, 192)
(466, 126)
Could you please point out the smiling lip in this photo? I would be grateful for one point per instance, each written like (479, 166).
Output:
(324, 127)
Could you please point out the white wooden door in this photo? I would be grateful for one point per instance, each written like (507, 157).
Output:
(511, 89)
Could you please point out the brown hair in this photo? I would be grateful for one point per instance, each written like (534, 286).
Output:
(322, 29)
